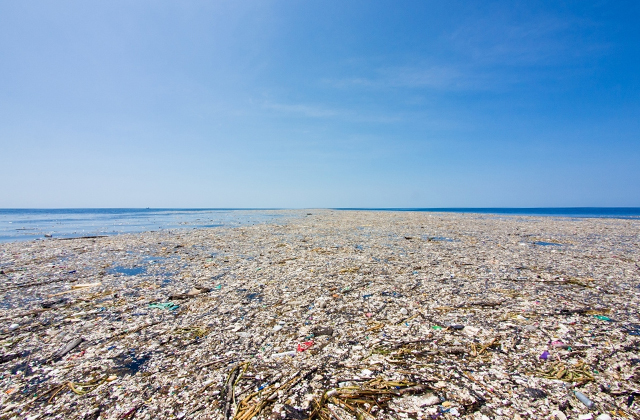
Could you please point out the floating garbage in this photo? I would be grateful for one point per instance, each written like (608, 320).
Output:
(164, 305)
(332, 315)
(584, 399)
(304, 346)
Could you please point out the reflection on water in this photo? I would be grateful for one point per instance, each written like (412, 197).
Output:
(134, 271)
(543, 243)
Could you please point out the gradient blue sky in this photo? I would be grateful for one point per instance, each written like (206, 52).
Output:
(319, 103)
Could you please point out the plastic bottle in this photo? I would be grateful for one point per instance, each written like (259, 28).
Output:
(583, 399)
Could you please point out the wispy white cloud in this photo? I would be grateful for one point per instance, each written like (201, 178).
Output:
(540, 41)
(311, 111)
(427, 117)
(318, 111)
(501, 41)
(445, 77)
(437, 77)
(495, 53)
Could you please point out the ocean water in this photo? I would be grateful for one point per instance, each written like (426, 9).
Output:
(29, 224)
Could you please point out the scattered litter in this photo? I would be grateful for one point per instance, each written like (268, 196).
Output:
(535, 393)
(66, 349)
(283, 354)
(164, 305)
(304, 346)
(583, 399)
(335, 315)
(85, 285)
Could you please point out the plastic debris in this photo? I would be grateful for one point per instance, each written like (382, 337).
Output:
(334, 315)
(283, 354)
(584, 399)
(304, 346)
(66, 349)
(164, 305)
(535, 393)
(558, 415)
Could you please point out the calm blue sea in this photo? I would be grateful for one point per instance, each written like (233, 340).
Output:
(29, 224)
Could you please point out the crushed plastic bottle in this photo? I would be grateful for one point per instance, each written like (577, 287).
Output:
(584, 399)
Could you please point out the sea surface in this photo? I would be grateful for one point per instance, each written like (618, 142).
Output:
(30, 224)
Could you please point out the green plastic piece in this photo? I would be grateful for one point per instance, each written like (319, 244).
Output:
(164, 305)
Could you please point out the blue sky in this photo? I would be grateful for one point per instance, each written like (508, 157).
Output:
(319, 104)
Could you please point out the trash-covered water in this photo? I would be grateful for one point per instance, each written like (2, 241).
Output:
(28, 224)
(416, 315)
(127, 271)
(572, 212)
